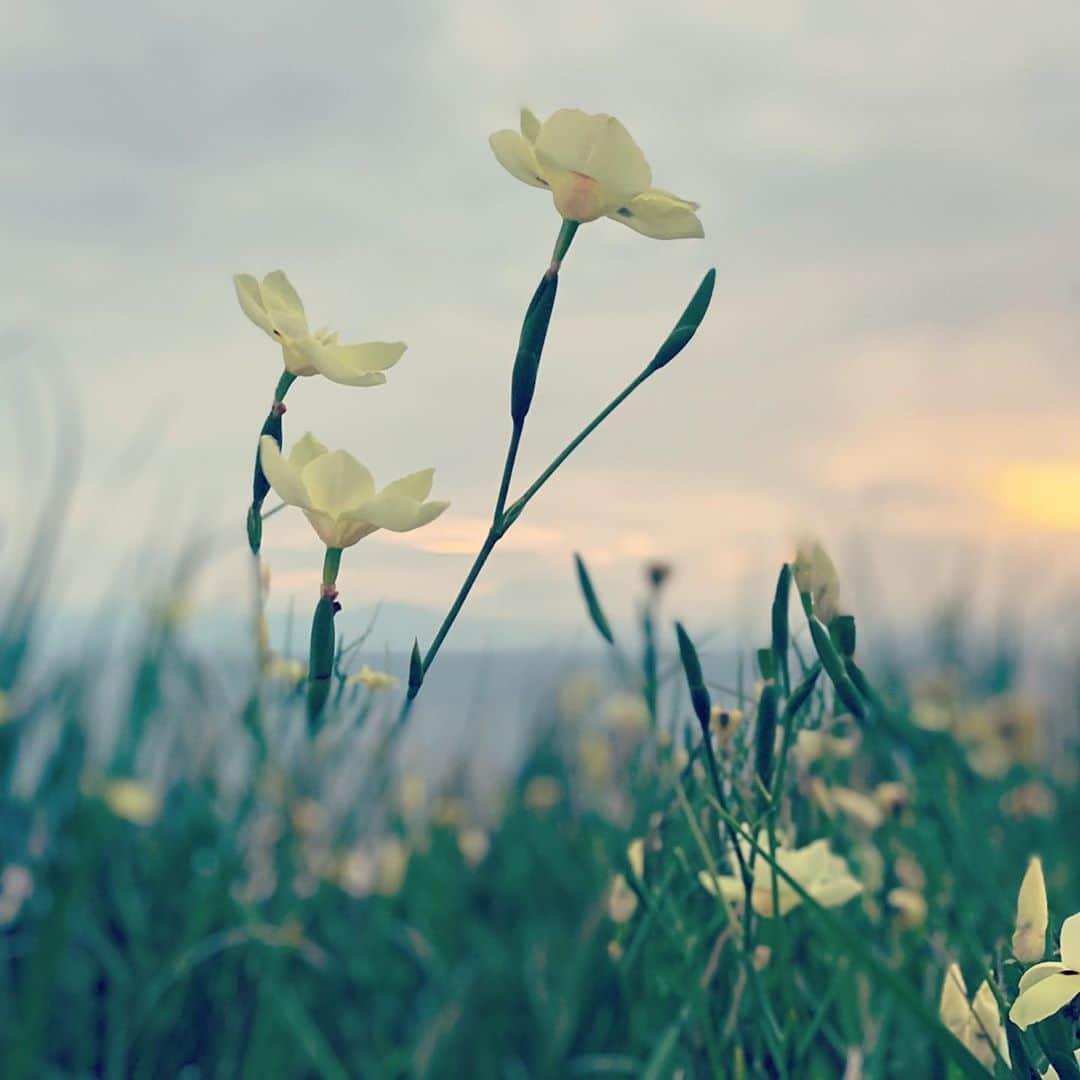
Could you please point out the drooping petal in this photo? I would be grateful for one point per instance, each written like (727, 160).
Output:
(283, 305)
(660, 215)
(337, 482)
(1070, 942)
(284, 476)
(515, 154)
(597, 146)
(530, 125)
(399, 513)
(1043, 998)
(251, 302)
(354, 364)
(1038, 972)
(305, 451)
(416, 485)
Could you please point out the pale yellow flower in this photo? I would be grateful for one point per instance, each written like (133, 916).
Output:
(815, 574)
(622, 900)
(977, 1024)
(285, 670)
(1032, 915)
(275, 308)
(857, 806)
(132, 800)
(626, 713)
(1048, 987)
(724, 723)
(910, 906)
(373, 680)
(474, 844)
(543, 793)
(820, 872)
(337, 494)
(593, 169)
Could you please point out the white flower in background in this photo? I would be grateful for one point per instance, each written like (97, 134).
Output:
(337, 494)
(593, 169)
(1048, 987)
(818, 870)
(275, 308)
(622, 900)
(977, 1024)
(1032, 915)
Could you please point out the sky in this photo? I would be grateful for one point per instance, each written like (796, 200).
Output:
(889, 195)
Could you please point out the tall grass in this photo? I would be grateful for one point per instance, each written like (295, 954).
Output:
(193, 888)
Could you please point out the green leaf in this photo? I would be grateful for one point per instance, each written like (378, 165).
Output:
(592, 602)
(688, 324)
(781, 629)
(534, 330)
(695, 680)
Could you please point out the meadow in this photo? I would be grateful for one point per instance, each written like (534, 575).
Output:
(843, 861)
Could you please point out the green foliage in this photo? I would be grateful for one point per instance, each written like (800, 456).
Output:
(288, 913)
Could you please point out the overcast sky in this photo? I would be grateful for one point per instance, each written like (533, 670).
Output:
(890, 194)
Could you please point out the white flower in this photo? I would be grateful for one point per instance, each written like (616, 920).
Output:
(593, 169)
(819, 871)
(275, 308)
(1032, 915)
(977, 1024)
(1048, 987)
(372, 679)
(337, 493)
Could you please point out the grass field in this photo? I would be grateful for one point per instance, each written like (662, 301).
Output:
(195, 890)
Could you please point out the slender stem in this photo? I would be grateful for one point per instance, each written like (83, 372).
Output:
(515, 509)
(507, 474)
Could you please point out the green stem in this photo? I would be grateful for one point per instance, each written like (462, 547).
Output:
(516, 508)
(331, 565)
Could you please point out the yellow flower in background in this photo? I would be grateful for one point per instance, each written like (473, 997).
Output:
(1032, 915)
(910, 907)
(373, 680)
(1048, 987)
(337, 494)
(285, 670)
(593, 169)
(818, 870)
(275, 308)
(5, 707)
(542, 793)
(622, 900)
(815, 574)
(131, 800)
(977, 1024)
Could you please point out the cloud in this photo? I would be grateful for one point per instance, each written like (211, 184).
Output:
(886, 194)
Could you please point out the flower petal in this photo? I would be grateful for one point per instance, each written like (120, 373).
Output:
(306, 451)
(530, 125)
(283, 305)
(284, 476)
(660, 215)
(337, 482)
(354, 364)
(515, 154)
(597, 146)
(953, 1007)
(1044, 998)
(398, 513)
(1039, 972)
(416, 485)
(1070, 942)
(1032, 916)
(251, 302)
